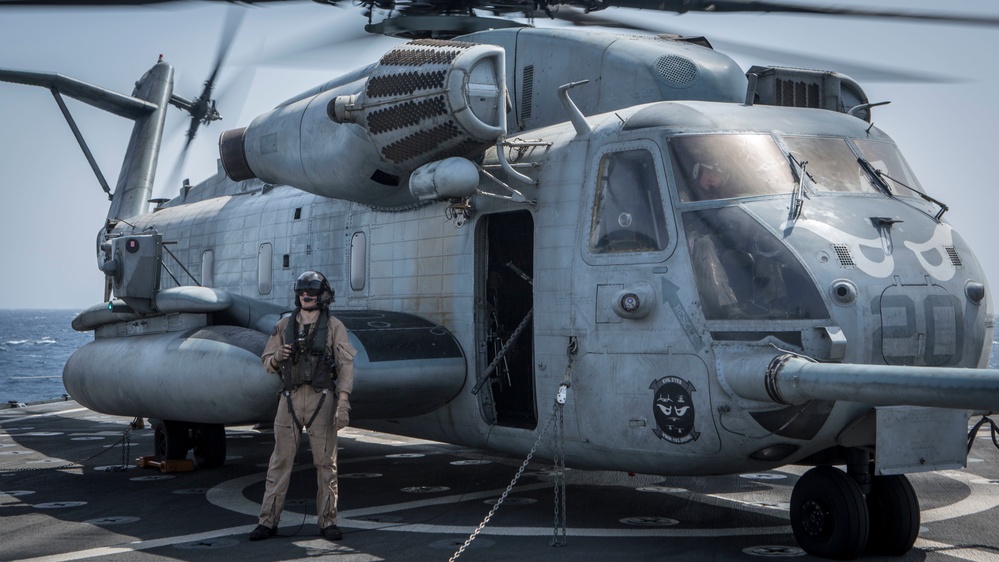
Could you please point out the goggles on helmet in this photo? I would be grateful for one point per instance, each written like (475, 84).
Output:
(315, 285)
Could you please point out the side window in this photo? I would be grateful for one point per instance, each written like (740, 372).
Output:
(358, 261)
(264, 256)
(208, 269)
(628, 210)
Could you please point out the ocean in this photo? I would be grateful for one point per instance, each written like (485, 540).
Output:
(35, 344)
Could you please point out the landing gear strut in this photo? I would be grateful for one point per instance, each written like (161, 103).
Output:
(173, 439)
(831, 518)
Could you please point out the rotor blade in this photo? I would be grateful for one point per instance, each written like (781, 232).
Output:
(857, 71)
(319, 39)
(112, 3)
(204, 108)
(233, 19)
(178, 168)
(681, 6)
(233, 92)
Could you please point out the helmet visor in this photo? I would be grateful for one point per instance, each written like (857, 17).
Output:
(309, 285)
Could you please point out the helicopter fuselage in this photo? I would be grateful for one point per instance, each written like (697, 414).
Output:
(619, 308)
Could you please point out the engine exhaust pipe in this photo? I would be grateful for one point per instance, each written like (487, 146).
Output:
(791, 379)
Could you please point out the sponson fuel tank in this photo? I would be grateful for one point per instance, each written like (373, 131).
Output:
(178, 367)
(424, 101)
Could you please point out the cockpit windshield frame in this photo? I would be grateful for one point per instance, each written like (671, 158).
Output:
(737, 165)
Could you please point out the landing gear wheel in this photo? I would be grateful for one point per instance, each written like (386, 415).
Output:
(170, 439)
(894, 515)
(208, 442)
(829, 515)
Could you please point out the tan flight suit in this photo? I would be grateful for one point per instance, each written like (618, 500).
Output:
(713, 284)
(322, 433)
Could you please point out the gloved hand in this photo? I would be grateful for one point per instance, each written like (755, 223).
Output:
(342, 414)
(282, 353)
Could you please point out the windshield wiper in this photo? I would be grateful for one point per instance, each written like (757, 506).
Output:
(798, 195)
(875, 175)
(943, 208)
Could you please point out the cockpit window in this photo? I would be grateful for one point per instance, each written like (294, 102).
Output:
(743, 272)
(628, 214)
(831, 164)
(724, 166)
(885, 157)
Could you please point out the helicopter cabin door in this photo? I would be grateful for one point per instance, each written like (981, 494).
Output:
(505, 319)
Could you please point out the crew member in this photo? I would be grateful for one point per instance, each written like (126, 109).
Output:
(310, 351)
(717, 296)
(711, 180)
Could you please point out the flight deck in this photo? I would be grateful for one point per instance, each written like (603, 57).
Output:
(70, 489)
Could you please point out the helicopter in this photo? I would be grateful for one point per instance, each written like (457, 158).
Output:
(712, 269)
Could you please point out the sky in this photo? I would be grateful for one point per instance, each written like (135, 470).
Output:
(51, 205)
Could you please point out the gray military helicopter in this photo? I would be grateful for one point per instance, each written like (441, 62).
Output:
(711, 270)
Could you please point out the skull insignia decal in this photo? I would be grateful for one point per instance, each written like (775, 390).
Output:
(673, 408)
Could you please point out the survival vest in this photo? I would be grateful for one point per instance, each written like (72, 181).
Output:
(310, 362)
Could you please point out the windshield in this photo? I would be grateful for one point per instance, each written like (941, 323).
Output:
(724, 166)
(743, 272)
(832, 165)
(885, 157)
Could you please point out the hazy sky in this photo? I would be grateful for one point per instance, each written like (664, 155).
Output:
(52, 206)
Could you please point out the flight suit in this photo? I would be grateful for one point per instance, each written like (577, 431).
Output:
(713, 283)
(322, 432)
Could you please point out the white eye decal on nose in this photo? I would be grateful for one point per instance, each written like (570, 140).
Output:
(944, 269)
(854, 244)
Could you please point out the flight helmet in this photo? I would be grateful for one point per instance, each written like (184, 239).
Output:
(315, 284)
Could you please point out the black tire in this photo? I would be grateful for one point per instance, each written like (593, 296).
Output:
(170, 439)
(894, 515)
(208, 442)
(829, 515)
